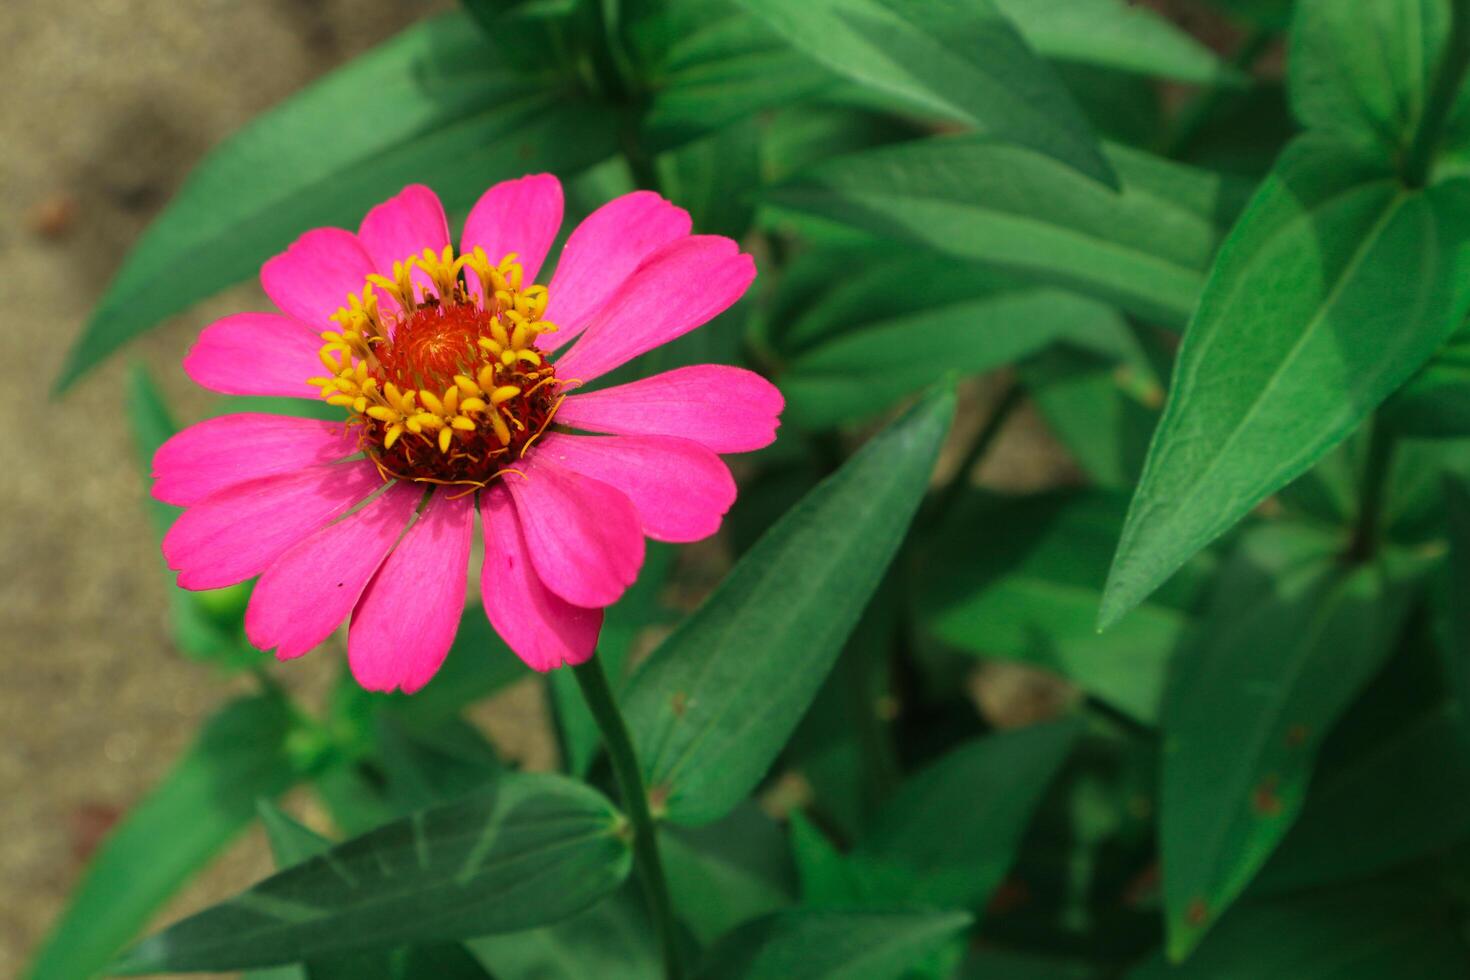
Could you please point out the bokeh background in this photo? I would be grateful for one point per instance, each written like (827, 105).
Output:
(105, 110)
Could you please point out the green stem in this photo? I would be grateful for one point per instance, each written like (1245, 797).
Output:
(1376, 470)
(593, 681)
(1419, 159)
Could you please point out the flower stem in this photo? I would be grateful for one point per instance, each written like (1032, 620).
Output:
(599, 698)
(1419, 159)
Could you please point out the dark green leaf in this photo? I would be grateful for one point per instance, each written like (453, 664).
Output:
(950, 834)
(1291, 637)
(1334, 288)
(804, 944)
(1021, 579)
(715, 703)
(427, 106)
(206, 800)
(862, 373)
(1369, 933)
(959, 60)
(1115, 34)
(1145, 249)
(531, 850)
(727, 872)
(613, 940)
(716, 178)
(1362, 71)
(443, 763)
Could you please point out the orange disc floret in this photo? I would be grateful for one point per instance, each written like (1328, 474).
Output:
(444, 381)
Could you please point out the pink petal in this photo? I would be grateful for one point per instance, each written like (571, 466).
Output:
(520, 216)
(312, 279)
(405, 623)
(681, 286)
(238, 532)
(543, 629)
(680, 489)
(308, 591)
(602, 252)
(256, 354)
(585, 538)
(231, 449)
(728, 409)
(403, 226)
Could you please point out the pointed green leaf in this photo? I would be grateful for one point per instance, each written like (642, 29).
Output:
(186, 820)
(1115, 34)
(1335, 287)
(861, 373)
(1145, 249)
(1292, 635)
(1370, 932)
(950, 834)
(960, 60)
(426, 106)
(806, 944)
(715, 703)
(613, 940)
(1363, 71)
(530, 850)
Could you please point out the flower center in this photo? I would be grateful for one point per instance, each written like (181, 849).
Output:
(443, 380)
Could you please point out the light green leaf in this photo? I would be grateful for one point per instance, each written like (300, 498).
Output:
(1291, 637)
(715, 703)
(828, 879)
(428, 106)
(1021, 578)
(1371, 932)
(1115, 34)
(727, 872)
(529, 851)
(950, 834)
(959, 60)
(175, 830)
(862, 373)
(1145, 249)
(806, 944)
(1336, 286)
(1362, 71)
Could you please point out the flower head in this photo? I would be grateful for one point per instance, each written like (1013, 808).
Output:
(457, 376)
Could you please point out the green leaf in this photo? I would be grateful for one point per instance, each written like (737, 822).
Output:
(531, 850)
(1145, 249)
(208, 798)
(1331, 292)
(828, 879)
(862, 373)
(613, 940)
(1403, 798)
(715, 703)
(1021, 578)
(958, 60)
(1272, 14)
(806, 944)
(425, 106)
(950, 834)
(1363, 71)
(424, 768)
(292, 843)
(1367, 933)
(716, 178)
(1292, 636)
(1118, 35)
(727, 872)
(722, 72)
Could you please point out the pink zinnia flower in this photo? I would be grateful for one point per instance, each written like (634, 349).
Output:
(455, 376)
